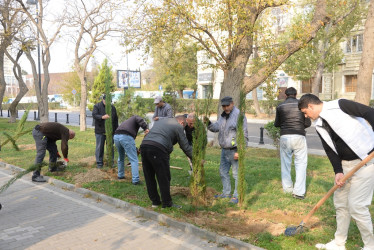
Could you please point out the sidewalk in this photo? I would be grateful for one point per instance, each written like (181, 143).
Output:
(57, 215)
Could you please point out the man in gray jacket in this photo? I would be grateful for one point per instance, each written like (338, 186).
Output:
(226, 125)
(155, 150)
(163, 110)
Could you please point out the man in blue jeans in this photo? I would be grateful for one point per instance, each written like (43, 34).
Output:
(226, 125)
(292, 123)
(124, 139)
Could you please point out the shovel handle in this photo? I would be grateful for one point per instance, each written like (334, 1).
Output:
(332, 190)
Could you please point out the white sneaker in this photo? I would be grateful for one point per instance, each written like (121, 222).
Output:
(330, 246)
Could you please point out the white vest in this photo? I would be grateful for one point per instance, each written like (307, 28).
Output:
(354, 131)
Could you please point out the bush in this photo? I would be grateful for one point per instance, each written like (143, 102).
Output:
(273, 132)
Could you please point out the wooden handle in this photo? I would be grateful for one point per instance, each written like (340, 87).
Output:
(332, 190)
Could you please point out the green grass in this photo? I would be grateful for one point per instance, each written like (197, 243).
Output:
(264, 193)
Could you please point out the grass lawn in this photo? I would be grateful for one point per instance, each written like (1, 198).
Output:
(268, 211)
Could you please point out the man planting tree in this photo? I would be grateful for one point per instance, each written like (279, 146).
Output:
(155, 150)
(347, 139)
(45, 135)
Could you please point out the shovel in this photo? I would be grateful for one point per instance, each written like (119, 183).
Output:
(290, 231)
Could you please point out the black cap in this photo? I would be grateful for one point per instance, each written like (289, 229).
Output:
(104, 96)
(226, 100)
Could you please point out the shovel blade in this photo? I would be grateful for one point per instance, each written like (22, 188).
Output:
(291, 231)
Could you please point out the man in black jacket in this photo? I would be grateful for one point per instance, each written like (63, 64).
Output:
(292, 123)
(124, 139)
(100, 116)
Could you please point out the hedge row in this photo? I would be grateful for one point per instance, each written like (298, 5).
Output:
(24, 106)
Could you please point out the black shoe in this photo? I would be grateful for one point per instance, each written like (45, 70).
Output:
(38, 178)
(173, 205)
(121, 178)
(99, 167)
(299, 197)
(137, 183)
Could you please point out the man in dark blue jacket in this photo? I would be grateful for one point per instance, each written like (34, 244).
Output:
(100, 116)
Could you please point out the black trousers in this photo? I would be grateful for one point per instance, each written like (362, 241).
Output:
(156, 165)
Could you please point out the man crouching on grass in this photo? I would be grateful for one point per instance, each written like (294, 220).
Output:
(45, 135)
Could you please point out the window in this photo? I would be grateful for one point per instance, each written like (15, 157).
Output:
(306, 86)
(354, 44)
(350, 83)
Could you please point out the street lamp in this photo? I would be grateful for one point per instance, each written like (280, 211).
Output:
(35, 2)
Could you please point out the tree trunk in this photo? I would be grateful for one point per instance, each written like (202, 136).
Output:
(320, 68)
(22, 86)
(255, 102)
(83, 105)
(180, 93)
(365, 72)
(2, 78)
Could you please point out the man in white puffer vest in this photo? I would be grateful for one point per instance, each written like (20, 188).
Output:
(347, 138)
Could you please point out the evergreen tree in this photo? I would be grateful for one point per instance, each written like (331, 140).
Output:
(99, 87)
(198, 184)
(241, 143)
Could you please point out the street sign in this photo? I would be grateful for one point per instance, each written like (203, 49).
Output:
(74, 91)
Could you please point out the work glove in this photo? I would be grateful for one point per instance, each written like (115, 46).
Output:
(65, 162)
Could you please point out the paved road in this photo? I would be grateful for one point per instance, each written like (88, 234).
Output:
(254, 126)
(42, 216)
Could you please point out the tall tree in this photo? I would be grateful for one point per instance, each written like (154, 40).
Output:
(11, 22)
(175, 65)
(365, 72)
(225, 29)
(90, 23)
(46, 42)
(324, 53)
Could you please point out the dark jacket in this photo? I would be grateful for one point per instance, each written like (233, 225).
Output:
(98, 112)
(290, 119)
(131, 126)
(55, 131)
(166, 133)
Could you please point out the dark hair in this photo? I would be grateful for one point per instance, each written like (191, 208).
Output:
(291, 91)
(307, 99)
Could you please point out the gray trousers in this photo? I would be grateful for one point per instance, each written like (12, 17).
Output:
(42, 144)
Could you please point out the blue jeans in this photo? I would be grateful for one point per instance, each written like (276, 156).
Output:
(126, 144)
(227, 160)
(293, 145)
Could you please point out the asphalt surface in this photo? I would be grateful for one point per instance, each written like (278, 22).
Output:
(254, 129)
(43, 216)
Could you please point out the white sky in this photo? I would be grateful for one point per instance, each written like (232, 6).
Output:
(62, 51)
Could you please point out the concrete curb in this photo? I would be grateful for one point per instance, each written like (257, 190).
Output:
(143, 212)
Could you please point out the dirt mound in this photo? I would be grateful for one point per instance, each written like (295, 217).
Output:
(240, 224)
(91, 175)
